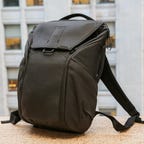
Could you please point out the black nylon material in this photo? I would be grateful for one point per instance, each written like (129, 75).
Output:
(58, 76)
(59, 88)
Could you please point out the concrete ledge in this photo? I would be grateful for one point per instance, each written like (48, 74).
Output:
(100, 132)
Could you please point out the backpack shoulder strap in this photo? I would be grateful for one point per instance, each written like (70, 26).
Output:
(113, 86)
(111, 83)
(14, 118)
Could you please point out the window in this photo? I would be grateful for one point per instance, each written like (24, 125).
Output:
(109, 111)
(34, 2)
(101, 86)
(30, 27)
(105, 1)
(111, 41)
(12, 74)
(81, 1)
(10, 3)
(12, 37)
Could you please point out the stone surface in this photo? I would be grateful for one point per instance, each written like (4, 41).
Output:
(127, 57)
(100, 132)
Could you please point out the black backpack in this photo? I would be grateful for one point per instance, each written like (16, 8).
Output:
(58, 76)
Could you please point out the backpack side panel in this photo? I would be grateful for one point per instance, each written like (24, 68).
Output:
(85, 68)
(80, 98)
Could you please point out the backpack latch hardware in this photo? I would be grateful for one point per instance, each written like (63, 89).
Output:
(48, 51)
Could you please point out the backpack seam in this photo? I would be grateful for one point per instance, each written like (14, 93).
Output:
(83, 67)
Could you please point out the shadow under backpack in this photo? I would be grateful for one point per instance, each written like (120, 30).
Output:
(58, 76)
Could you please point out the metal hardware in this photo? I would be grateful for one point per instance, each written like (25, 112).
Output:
(48, 51)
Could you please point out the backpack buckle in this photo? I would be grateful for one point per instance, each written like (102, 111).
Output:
(48, 51)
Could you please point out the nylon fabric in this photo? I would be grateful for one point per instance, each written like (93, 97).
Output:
(59, 74)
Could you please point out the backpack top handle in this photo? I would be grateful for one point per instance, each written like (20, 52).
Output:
(76, 15)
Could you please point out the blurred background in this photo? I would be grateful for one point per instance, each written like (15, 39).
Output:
(125, 19)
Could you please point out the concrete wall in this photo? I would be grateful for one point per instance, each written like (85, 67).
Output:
(3, 78)
(56, 9)
(129, 50)
(142, 56)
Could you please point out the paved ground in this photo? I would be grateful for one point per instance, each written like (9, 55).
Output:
(100, 132)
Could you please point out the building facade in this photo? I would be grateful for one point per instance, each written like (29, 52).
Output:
(125, 20)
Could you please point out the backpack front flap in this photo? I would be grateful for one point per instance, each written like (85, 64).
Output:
(58, 83)
(63, 34)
